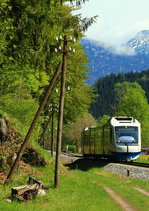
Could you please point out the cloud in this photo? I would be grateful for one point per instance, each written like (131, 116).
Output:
(122, 50)
(113, 37)
(141, 25)
(117, 49)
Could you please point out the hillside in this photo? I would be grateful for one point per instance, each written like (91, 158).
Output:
(132, 56)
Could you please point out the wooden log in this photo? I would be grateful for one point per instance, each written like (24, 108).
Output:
(27, 192)
(33, 180)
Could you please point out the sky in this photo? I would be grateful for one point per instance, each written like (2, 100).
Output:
(118, 20)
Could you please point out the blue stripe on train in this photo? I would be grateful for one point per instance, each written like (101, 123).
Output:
(130, 156)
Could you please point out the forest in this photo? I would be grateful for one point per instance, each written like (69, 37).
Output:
(28, 61)
(106, 100)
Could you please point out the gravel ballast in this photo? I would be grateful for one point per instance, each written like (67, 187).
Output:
(128, 171)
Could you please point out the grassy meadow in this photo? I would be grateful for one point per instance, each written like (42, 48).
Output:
(81, 188)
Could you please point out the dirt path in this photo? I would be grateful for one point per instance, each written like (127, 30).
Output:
(142, 191)
(123, 204)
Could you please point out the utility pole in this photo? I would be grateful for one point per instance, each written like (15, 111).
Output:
(61, 107)
(60, 116)
(23, 146)
(52, 130)
(44, 130)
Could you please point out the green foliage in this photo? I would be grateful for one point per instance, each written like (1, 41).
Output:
(21, 110)
(105, 97)
(69, 148)
(133, 101)
(80, 95)
(121, 88)
(145, 133)
(22, 77)
(73, 130)
(6, 28)
(30, 60)
(103, 120)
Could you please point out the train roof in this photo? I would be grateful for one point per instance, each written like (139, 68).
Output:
(120, 120)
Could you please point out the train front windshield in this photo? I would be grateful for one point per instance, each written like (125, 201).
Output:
(126, 134)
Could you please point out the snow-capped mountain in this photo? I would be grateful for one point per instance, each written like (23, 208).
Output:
(140, 42)
(104, 61)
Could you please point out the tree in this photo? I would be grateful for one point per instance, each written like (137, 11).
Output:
(73, 131)
(28, 56)
(103, 120)
(132, 101)
(105, 97)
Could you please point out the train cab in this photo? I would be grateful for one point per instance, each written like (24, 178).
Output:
(119, 138)
(127, 138)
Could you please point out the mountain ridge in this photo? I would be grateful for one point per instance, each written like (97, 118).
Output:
(103, 61)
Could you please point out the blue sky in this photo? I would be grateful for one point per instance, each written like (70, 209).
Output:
(118, 21)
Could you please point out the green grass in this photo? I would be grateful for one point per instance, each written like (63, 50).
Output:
(143, 159)
(124, 187)
(81, 188)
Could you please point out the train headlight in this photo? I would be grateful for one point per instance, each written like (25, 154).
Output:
(118, 141)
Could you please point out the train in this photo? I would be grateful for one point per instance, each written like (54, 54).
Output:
(118, 139)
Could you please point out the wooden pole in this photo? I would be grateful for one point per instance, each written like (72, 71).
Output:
(44, 130)
(52, 130)
(43, 102)
(60, 118)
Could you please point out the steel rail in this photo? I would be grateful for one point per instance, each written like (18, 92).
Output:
(145, 165)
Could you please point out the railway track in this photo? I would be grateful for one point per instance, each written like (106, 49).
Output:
(71, 155)
(145, 165)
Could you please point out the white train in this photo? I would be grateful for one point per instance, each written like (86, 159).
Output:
(119, 138)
